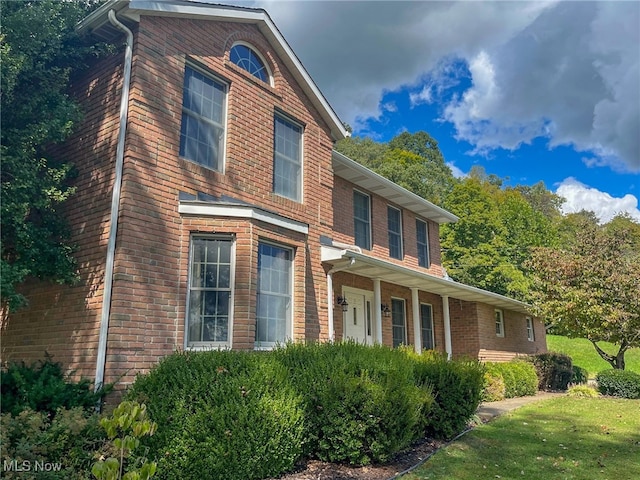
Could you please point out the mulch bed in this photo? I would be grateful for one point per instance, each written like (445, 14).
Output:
(316, 470)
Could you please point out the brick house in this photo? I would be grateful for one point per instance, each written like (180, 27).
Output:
(212, 212)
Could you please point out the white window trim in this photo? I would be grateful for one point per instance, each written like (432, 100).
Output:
(223, 154)
(404, 309)
(241, 211)
(500, 334)
(433, 333)
(195, 346)
(265, 346)
(531, 335)
(370, 246)
(289, 119)
(389, 232)
(426, 229)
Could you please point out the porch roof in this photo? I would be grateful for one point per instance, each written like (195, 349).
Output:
(359, 264)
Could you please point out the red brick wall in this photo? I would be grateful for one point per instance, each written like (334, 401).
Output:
(150, 274)
(64, 320)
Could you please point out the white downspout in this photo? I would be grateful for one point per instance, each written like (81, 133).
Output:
(115, 204)
(447, 326)
(417, 337)
(330, 273)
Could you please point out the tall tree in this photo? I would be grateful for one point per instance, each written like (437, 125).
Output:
(40, 50)
(591, 287)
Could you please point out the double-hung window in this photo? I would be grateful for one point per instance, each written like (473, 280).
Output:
(287, 168)
(499, 323)
(362, 220)
(531, 336)
(210, 291)
(203, 119)
(422, 236)
(426, 326)
(275, 270)
(398, 322)
(394, 226)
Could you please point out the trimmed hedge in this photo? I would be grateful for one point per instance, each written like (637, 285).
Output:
(555, 370)
(221, 414)
(619, 383)
(250, 415)
(493, 389)
(457, 389)
(520, 378)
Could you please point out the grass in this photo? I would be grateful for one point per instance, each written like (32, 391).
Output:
(584, 355)
(560, 439)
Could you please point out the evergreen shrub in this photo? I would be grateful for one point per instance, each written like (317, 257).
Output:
(555, 370)
(457, 389)
(221, 414)
(520, 378)
(493, 389)
(580, 375)
(619, 383)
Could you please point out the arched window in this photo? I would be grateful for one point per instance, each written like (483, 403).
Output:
(249, 60)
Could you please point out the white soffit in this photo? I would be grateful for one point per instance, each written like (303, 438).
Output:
(361, 176)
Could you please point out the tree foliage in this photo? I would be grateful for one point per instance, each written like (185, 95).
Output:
(40, 51)
(590, 288)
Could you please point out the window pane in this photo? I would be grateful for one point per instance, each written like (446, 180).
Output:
(210, 291)
(398, 322)
(394, 224)
(362, 220)
(426, 324)
(202, 130)
(248, 60)
(274, 293)
(423, 243)
(287, 169)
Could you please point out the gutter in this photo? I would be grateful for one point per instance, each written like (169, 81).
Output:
(115, 204)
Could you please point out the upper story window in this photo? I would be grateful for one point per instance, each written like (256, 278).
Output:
(287, 161)
(247, 59)
(203, 119)
(531, 336)
(499, 323)
(394, 226)
(362, 220)
(422, 238)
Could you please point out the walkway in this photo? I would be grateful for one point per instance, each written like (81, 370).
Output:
(489, 410)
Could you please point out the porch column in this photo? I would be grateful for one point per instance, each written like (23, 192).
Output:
(447, 326)
(377, 302)
(417, 337)
(330, 306)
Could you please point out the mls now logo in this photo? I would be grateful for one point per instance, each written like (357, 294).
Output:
(29, 466)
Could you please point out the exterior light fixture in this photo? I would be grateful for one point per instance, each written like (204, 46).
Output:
(342, 301)
(386, 311)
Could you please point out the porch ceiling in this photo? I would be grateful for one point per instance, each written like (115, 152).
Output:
(366, 266)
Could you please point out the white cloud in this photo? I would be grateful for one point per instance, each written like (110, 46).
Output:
(579, 197)
(456, 171)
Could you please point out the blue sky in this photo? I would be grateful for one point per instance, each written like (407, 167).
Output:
(531, 91)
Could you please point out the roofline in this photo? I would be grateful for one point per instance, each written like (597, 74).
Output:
(444, 215)
(133, 9)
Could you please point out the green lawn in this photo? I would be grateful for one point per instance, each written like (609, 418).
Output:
(566, 438)
(584, 355)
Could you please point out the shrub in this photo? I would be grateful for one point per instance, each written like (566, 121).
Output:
(457, 390)
(221, 414)
(493, 388)
(43, 387)
(362, 404)
(619, 383)
(65, 443)
(555, 370)
(520, 378)
(580, 375)
(582, 391)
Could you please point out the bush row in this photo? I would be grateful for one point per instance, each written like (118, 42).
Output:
(619, 383)
(249, 415)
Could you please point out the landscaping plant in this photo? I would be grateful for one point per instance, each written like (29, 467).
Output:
(619, 383)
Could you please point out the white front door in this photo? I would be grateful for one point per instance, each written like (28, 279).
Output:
(358, 319)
